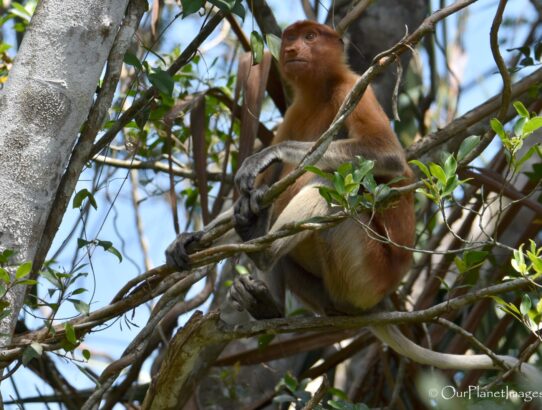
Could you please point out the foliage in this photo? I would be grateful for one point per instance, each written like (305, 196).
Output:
(174, 159)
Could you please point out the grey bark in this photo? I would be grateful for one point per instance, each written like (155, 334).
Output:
(43, 104)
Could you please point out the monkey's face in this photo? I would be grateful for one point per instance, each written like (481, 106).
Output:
(309, 51)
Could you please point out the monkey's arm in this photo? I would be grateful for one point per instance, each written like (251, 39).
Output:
(389, 163)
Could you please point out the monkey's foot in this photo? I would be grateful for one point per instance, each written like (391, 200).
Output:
(253, 296)
(177, 251)
(251, 220)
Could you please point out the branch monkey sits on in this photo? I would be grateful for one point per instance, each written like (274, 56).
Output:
(342, 269)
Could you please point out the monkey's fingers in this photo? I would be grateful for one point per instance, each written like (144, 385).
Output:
(177, 252)
(256, 199)
(253, 296)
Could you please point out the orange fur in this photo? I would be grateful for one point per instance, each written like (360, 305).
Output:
(357, 270)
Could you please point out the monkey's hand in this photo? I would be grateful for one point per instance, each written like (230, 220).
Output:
(250, 219)
(253, 296)
(253, 166)
(177, 251)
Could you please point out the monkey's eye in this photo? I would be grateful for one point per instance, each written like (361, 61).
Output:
(310, 36)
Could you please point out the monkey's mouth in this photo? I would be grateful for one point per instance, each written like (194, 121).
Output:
(296, 61)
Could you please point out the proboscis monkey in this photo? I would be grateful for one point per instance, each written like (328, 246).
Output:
(343, 269)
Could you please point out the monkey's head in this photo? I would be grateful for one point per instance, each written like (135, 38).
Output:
(311, 52)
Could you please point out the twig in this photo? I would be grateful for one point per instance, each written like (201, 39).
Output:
(451, 325)
(158, 166)
(352, 15)
(318, 395)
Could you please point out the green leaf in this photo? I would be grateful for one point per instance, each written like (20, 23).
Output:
(319, 172)
(239, 9)
(532, 125)
(525, 304)
(473, 258)
(520, 108)
(264, 340)
(422, 167)
(131, 59)
(162, 81)
(273, 43)
(19, 11)
(498, 128)
(191, 6)
(256, 44)
(338, 183)
(81, 196)
(108, 247)
(4, 276)
(80, 306)
(290, 382)
(438, 172)
(467, 146)
(450, 166)
(344, 169)
(70, 333)
(224, 5)
(82, 242)
(5, 255)
(23, 270)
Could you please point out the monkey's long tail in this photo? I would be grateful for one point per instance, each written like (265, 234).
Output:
(393, 337)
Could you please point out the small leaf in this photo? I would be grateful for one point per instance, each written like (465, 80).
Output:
(467, 146)
(4, 275)
(23, 270)
(191, 6)
(86, 354)
(108, 247)
(239, 9)
(162, 81)
(532, 125)
(520, 108)
(70, 333)
(80, 306)
(256, 45)
(498, 128)
(319, 172)
(273, 43)
(5, 255)
(131, 59)
(422, 167)
(224, 5)
(290, 382)
(525, 304)
(82, 242)
(438, 172)
(264, 340)
(81, 196)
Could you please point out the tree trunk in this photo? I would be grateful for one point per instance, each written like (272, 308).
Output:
(43, 104)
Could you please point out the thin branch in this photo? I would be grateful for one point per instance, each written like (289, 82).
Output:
(352, 16)
(158, 166)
